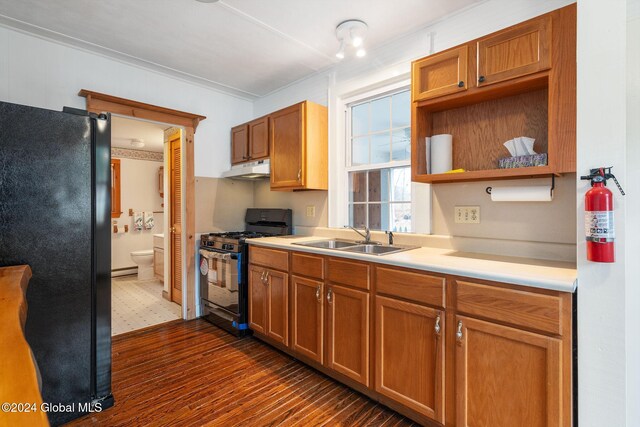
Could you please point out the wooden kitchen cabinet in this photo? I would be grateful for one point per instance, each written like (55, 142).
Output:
(250, 141)
(440, 74)
(514, 52)
(269, 302)
(307, 318)
(257, 300)
(259, 139)
(239, 144)
(507, 377)
(521, 81)
(299, 147)
(348, 332)
(409, 355)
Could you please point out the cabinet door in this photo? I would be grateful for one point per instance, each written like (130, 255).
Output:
(259, 138)
(440, 74)
(287, 146)
(277, 305)
(506, 377)
(348, 332)
(515, 52)
(307, 334)
(257, 299)
(409, 355)
(158, 263)
(239, 144)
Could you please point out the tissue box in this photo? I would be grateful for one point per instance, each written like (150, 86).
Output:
(523, 161)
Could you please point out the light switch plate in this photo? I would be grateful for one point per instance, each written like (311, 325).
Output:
(311, 211)
(467, 214)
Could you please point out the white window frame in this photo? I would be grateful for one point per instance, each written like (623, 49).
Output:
(339, 210)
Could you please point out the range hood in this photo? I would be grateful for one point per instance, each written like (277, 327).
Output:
(249, 171)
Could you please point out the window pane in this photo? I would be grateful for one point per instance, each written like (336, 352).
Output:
(375, 220)
(401, 105)
(360, 151)
(401, 216)
(380, 147)
(401, 144)
(401, 184)
(379, 185)
(380, 114)
(358, 186)
(358, 215)
(360, 119)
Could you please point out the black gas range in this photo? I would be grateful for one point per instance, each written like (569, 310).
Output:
(224, 267)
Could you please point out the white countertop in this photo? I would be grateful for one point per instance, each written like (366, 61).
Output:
(559, 276)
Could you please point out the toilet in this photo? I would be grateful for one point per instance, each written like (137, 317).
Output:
(144, 260)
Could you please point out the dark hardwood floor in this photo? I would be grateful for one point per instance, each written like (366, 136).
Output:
(193, 374)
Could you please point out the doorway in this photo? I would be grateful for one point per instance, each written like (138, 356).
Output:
(142, 213)
(98, 103)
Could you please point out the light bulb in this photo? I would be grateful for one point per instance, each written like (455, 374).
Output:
(361, 52)
(356, 41)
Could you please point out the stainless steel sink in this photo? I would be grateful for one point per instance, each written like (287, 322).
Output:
(329, 244)
(377, 249)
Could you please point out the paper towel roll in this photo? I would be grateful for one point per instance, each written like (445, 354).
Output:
(539, 193)
(441, 153)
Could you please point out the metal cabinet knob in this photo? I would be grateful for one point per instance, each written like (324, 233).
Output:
(330, 296)
(481, 79)
(460, 83)
(459, 331)
(299, 174)
(437, 326)
(318, 296)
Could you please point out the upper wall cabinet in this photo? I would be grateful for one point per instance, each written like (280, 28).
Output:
(520, 81)
(440, 74)
(250, 141)
(298, 144)
(515, 52)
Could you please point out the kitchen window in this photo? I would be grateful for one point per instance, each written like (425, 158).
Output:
(378, 162)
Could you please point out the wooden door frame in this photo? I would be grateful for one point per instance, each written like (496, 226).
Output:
(98, 103)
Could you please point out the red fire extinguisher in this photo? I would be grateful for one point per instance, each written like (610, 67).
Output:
(598, 216)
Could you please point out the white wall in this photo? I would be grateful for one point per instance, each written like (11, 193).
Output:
(46, 74)
(138, 191)
(222, 204)
(632, 267)
(608, 302)
(297, 201)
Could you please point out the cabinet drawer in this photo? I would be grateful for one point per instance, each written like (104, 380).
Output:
(269, 258)
(520, 308)
(307, 265)
(413, 286)
(350, 273)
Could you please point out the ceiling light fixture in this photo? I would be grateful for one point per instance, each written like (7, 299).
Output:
(138, 143)
(351, 33)
(207, 1)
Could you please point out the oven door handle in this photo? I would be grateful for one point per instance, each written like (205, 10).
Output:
(208, 253)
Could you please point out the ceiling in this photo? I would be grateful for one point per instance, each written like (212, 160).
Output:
(245, 47)
(123, 130)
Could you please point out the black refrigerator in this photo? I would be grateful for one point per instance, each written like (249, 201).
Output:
(55, 216)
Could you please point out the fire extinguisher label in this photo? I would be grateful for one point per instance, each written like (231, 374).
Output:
(599, 225)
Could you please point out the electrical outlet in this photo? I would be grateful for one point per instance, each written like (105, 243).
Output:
(467, 214)
(311, 211)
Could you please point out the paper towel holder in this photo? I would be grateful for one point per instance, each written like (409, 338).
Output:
(553, 186)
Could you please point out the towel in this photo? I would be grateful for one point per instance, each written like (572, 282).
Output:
(137, 221)
(148, 220)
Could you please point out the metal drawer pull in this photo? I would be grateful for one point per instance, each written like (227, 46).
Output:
(329, 296)
(437, 327)
(266, 278)
(262, 276)
(318, 297)
(459, 332)
(299, 174)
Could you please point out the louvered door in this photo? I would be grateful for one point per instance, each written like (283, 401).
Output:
(176, 218)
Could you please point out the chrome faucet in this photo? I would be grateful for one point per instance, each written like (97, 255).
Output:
(366, 234)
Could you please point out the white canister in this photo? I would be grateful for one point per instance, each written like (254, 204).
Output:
(441, 153)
